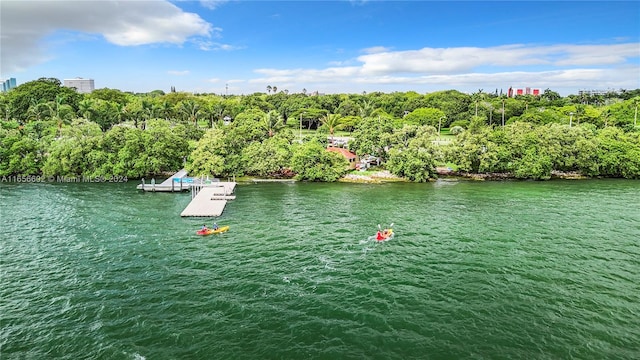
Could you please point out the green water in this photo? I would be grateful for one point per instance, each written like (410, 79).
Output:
(499, 270)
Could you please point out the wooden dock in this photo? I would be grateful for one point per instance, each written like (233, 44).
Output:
(209, 199)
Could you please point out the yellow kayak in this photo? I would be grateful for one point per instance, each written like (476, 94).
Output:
(219, 230)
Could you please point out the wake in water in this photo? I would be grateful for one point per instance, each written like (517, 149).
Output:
(381, 236)
(373, 239)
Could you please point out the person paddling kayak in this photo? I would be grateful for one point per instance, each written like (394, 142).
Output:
(385, 234)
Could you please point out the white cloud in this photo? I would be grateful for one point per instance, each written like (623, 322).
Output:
(178, 72)
(376, 50)
(126, 23)
(206, 45)
(469, 68)
(463, 59)
(212, 4)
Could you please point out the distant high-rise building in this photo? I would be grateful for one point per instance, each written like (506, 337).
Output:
(8, 84)
(83, 86)
(525, 91)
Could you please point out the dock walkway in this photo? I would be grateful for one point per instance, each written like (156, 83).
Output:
(209, 199)
(179, 175)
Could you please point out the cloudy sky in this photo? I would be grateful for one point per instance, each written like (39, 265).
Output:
(240, 47)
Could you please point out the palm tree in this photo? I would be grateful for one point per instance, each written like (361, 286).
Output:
(268, 89)
(489, 107)
(275, 89)
(216, 110)
(332, 121)
(36, 110)
(635, 101)
(5, 108)
(605, 115)
(477, 97)
(85, 107)
(147, 108)
(58, 111)
(272, 122)
(191, 110)
(503, 100)
(165, 109)
(366, 108)
(580, 110)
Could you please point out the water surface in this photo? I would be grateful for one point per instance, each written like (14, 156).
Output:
(535, 270)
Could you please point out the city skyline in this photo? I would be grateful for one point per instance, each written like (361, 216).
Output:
(241, 47)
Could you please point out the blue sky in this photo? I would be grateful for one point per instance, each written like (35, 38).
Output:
(240, 47)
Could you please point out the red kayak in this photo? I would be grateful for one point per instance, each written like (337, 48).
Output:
(219, 230)
(386, 234)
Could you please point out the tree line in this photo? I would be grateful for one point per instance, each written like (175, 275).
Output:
(48, 129)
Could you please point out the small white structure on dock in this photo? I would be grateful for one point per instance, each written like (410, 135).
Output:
(178, 182)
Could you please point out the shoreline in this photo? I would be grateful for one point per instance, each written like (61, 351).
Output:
(446, 174)
(384, 176)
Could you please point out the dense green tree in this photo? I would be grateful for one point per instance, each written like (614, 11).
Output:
(368, 138)
(424, 116)
(208, 158)
(414, 101)
(132, 160)
(68, 153)
(416, 161)
(121, 147)
(257, 101)
(268, 158)
(5, 107)
(392, 104)
(349, 123)
(111, 95)
(19, 154)
(619, 153)
(551, 97)
(413, 163)
(312, 162)
(165, 145)
(453, 103)
(174, 98)
(43, 90)
(105, 113)
(348, 107)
